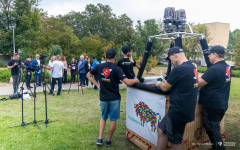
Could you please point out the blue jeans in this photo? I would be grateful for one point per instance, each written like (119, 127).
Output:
(82, 78)
(110, 108)
(37, 79)
(28, 78)
(59, 85)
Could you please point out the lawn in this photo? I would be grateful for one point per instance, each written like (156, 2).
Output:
(78, 118)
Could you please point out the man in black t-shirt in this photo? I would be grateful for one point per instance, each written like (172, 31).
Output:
(214, 94)
(109, 75)
(15, 66)
(183, 85)
(127, 63)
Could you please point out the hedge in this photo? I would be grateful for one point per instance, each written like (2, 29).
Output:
(5, 76)
(235, 73)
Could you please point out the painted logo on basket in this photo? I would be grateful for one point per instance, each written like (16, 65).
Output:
(146, 115)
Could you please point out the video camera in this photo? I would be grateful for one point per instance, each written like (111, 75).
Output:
(42, 58)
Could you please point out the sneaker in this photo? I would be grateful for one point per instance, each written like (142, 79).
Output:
(108, 143)
(95, 89)
(63, 88)
(99, 142)
(50, 93)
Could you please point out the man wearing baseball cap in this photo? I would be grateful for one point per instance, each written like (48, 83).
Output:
(183, 86)
(109, 75)
(214, 94)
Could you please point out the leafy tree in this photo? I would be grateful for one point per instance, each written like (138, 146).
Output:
(143, 31)
(236, 51)
(191, 46)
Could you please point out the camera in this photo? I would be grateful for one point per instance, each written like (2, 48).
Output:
(42, 58)
(174, 21)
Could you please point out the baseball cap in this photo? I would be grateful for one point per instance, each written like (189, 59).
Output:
(93, 57)
(174, 50)
(29, 57)
(217, 49)
(111, 53)
(125, 49)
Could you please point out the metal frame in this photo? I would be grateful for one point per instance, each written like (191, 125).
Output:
(174, 35)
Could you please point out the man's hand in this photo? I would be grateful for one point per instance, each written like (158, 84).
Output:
(38, 65)
(28, 73)
(15, 64)
(158, 83)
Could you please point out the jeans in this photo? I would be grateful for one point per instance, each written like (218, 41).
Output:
(65, 76)
(28, 79)
(86, 80)
(37, 79)
(16, 82)
(59, 85)
(96, 78)
(51, 72)
(82, 78)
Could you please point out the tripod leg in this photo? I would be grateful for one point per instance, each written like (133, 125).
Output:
(69, 87)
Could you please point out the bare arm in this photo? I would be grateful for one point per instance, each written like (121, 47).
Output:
(49, 68)
(201, 82)
(129, 82)
(137, 66)
(10, 67)
(92, 79)
(164, 85)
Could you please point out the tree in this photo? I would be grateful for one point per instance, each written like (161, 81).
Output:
(99, 19)
(191, 46)
(236, 51)
(143, 31)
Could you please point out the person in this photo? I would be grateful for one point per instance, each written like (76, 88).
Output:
(109, 75)
(183, 86)
(214, 94)
(63, 58)
(14, 65)
(86, 58)
(28, 65)
(88, 66)
(82, 71)
(58, 70)
(103, 60)
(72, 65)
(36, 64)
(94, 64)
(49, 63)
(127, 63)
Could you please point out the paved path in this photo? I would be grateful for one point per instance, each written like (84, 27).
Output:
(7, 88)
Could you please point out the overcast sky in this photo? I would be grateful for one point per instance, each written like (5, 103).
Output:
(197, 11)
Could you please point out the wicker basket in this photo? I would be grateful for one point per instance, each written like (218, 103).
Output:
(195, 136)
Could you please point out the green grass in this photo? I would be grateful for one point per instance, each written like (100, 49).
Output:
(77, 126)
(78, 122)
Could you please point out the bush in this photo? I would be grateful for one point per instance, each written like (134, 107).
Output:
(154, 61)
(5, 75)
(236, 73)
(202, 69)
(3, 64)
(148, 67)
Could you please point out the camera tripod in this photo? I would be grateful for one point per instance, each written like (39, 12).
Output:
(45, 93)
(77, 85)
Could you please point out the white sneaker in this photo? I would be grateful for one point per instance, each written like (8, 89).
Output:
(63, 88)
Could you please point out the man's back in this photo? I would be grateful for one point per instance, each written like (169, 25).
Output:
(109, 75)
(215, 94)
(183, 94)
(57, 69)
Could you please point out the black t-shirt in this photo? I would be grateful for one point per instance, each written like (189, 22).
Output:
(109, 75)
(73, 65)
(127, 67)
(14, 70)
(216, 93)
(183, 94)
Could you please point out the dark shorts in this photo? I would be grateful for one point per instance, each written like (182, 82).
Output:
(173, 129)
